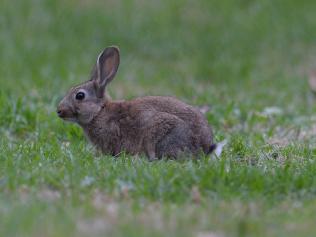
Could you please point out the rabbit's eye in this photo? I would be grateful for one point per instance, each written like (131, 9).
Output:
(80, 95)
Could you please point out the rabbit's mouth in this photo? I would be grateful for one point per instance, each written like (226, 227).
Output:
(69, 119)
(67, 115)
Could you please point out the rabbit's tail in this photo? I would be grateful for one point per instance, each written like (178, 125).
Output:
(217, 148)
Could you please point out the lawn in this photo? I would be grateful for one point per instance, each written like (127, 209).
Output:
(247, 62)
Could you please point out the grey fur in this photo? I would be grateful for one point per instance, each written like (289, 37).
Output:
(153, 125)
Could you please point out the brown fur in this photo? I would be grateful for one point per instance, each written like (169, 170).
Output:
(154, 125)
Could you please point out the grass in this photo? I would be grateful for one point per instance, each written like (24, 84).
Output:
(246, 60)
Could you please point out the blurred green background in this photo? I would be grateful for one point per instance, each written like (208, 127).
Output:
(199, 50)
(246, 62)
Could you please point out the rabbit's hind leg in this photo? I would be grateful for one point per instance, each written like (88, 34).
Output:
(164, 136)
(175, 143)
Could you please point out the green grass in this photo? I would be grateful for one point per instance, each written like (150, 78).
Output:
(247, 60)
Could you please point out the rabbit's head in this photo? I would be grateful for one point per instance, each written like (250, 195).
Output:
(83, 102)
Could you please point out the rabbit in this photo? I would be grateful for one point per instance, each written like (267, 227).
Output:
(155, 126)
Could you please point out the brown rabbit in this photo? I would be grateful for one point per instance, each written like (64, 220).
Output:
(153, 125)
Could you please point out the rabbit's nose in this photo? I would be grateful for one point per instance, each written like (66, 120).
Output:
(61, 113)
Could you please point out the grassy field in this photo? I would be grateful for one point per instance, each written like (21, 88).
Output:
(246, 61)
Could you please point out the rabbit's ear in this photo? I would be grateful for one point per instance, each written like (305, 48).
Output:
(106, 68)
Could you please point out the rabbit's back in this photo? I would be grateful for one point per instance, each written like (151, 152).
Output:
(193, 123)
